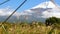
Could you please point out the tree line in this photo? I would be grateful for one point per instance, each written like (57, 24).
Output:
(52, 20)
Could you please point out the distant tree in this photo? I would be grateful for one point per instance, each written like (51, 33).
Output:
(52, 20)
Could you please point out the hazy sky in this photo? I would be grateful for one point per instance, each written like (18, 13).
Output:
(13, 4)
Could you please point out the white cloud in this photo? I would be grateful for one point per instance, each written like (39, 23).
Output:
(6, 11)
(47, 14)
(22, 13)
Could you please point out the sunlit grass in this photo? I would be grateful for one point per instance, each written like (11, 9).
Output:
(25, 28)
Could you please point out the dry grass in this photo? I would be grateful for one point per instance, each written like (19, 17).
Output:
(33, 28)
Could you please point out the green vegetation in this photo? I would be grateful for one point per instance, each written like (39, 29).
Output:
(52, 20)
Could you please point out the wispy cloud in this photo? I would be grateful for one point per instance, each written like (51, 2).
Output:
(6, 11)
(52, 13)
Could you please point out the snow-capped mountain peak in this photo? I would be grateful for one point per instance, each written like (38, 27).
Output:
(45, 10)
(48, 4)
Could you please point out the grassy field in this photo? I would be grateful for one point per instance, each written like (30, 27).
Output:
(26, 28)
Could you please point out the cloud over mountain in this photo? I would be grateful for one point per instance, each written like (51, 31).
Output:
(42, 10)
(51, 10)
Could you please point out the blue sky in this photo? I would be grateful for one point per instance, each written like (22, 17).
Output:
(13, 4)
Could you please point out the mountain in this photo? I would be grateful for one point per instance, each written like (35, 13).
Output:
(41, 12)
(38, 13)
